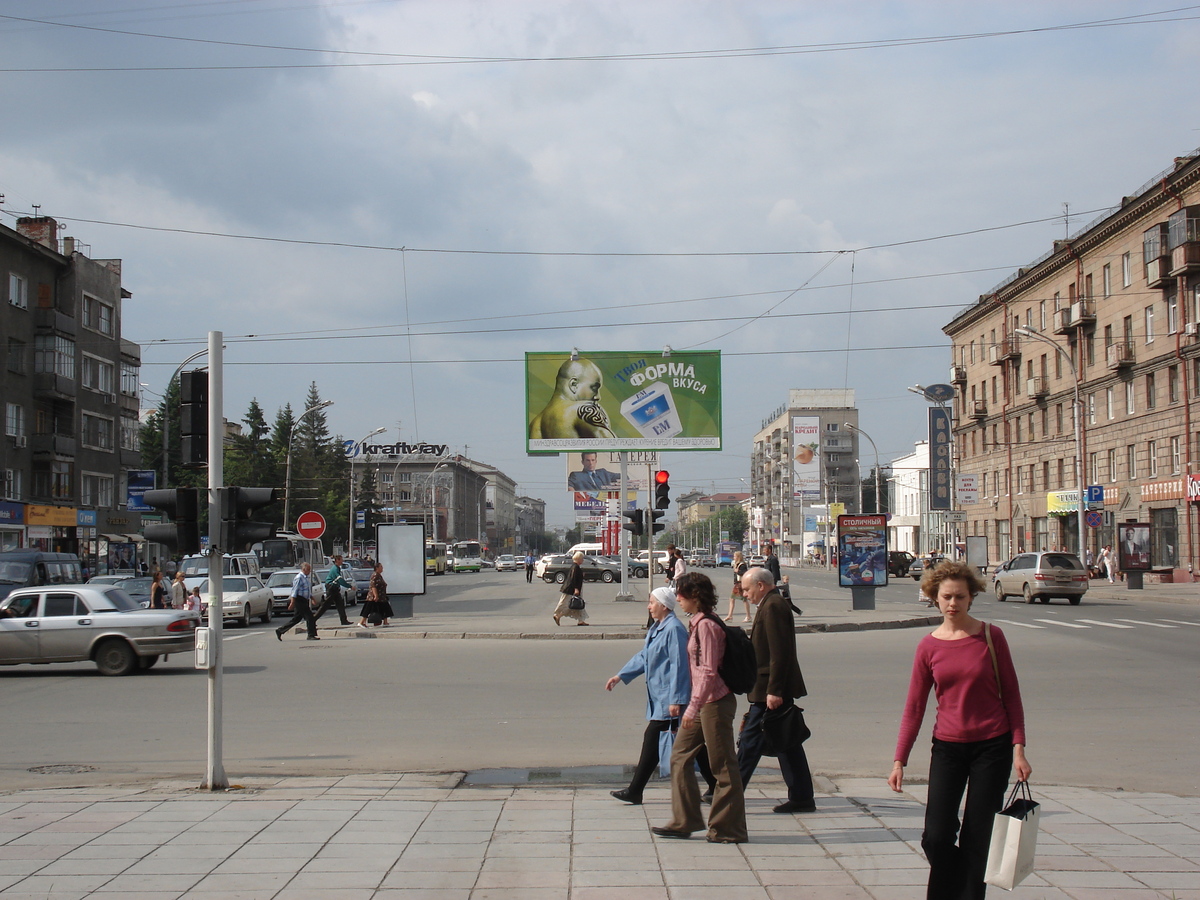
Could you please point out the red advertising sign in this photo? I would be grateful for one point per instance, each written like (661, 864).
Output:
(310, 525)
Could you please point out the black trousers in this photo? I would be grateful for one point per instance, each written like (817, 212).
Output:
(793, 764)
(981, 769)
(333, 595)
(303, 608)
(648, 761)
(529, 574)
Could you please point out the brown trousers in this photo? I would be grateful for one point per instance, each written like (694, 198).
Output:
(714, 731)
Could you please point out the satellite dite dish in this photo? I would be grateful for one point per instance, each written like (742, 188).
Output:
(939, 393)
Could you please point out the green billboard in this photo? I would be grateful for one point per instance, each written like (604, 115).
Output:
(623, 401)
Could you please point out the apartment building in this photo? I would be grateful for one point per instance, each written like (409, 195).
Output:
(1110, 315)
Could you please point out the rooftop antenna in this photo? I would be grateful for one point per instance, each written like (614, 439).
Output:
(36, 208)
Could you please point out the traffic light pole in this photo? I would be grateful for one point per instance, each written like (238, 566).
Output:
(214, 775)
(624, 593)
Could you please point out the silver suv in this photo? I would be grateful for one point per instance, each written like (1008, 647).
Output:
(1040, 576)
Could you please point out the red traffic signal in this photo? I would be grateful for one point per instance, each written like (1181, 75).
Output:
(662, 477)
(662, 489)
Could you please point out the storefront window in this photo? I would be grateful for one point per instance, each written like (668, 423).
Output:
(1164, 529)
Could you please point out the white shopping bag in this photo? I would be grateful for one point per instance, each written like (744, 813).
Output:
(1014, 840)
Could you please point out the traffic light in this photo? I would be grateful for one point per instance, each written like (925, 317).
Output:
(183, 506)
(662, 489)
(655, 515)
(193, 418)
(237, 532)
(635, 524)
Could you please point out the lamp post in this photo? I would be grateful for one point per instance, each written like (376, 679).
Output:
(878, 504)
(166, 419)
(287, 481)
(432, 488)
(1081, 476)
(365, 438)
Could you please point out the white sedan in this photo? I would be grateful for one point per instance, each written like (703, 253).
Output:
(243, 597)
(506, 562)
(280, 584)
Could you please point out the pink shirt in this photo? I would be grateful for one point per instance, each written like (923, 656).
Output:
(969, 707)
(707, 685)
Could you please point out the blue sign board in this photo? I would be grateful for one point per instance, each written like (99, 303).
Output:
(940, 494)
(360, 517)
(138, 481)
(1095, 493)
(85, 518)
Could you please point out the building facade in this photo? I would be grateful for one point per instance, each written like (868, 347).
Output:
(910, 526)
(445, 493)
(803, 455)
(530, 521)
(500, 495)
(1109, 315)
(70, 388)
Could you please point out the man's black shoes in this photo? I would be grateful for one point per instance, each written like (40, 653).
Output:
(627, 796)
(791, 806)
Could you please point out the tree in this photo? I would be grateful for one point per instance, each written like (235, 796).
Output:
(867, 502)
(368, 501)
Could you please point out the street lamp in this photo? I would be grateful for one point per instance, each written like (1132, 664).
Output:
(1079, 472)
(366, 437)
(878, 504)
(431, 487)
(287, 483)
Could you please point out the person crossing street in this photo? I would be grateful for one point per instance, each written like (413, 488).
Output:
(335, 585)
(301, 603)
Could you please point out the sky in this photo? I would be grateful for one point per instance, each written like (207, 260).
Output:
(397, 199)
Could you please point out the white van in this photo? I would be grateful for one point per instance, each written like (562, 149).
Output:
(195, 568)
(587, 550)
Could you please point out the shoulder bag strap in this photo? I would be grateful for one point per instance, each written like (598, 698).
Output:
(987, 634)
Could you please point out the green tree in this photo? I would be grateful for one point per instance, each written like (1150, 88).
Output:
(367, 499)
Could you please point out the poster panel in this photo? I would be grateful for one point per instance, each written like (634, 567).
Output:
(806, 457)
(137, 482)
(401, 550)
(1133, 546)
(862, 551)
(594, 470)
(623, 400)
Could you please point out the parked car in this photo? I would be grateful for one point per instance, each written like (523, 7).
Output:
(28, 568)
(99, 622)
(280, 584)
(660, 560)
(243, 597)
(1040, 576)
(136, 586)
(506, 562)
(918, 566)
(756, 560)
(362, 581)
(594, 569)
(899, 562)
(706, 561)
(539, 567)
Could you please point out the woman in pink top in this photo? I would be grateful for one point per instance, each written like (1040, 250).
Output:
(978, 736)
(707, 723)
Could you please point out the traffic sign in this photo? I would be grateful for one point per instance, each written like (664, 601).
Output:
(1095, 518)
(955, 515)
(1095, 493)
(310, 524)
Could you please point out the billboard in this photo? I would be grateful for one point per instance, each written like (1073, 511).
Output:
(806, 457)
(618, 400)
(862, 551)
(593, 507)
(1133, 546)
(601, 471)
(138, 481)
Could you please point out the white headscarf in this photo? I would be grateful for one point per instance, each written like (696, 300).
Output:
(665, 596)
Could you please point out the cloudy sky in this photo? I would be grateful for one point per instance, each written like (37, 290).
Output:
(398, 198)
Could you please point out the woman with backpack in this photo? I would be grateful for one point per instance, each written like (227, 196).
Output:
(707, 722)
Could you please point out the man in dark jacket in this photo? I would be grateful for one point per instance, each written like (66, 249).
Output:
(772, 563)
(779, 683)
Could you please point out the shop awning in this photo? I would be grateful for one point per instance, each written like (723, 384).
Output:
(115, 538)
(136, 538)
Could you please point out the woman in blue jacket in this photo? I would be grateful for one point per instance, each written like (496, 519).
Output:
(663, 660)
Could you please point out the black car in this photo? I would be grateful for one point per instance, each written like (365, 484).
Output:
(594, 569)
(899, 562)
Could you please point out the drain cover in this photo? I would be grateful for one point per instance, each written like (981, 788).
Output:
(63, 769)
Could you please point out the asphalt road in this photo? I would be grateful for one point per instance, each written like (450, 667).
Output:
(1110, 692)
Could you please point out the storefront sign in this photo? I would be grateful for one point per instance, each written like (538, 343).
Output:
(1171, 489)
(85, 518)
(939, 458)
(352, 449)
(62, 516)
(12, 513)
(968, 489)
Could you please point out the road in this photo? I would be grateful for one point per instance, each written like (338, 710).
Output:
(1109, 688)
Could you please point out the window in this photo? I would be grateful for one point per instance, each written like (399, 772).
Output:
(1149, 324)
(14, 484)
(1046, 475)
(54, 355)
(1112, 465)
(1017, 430)
(96, 374)
(995, 395)
(16, 356)
(97, 315)
(1176, 456)
(97, 432)
(97, 490)
(1091, 402)
(130, 434)
(1172, 313)
(1042, 314)
(1131, 462)
(14, 420)
(1058, 366)
(1129, 408)
(1061, 475)
(1094, 465)
(1126, 270)
(1090, 344)
(1108, 403)
(1106, 279)
(18, 291)
(983, 485)
(129, 379)
(1152, 459)
(1150, 390)
(1172, 384)
(1058, 418)
(53, 481)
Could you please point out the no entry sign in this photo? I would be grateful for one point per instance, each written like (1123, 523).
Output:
(311, 524)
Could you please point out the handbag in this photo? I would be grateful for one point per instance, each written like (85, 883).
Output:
(784, 729)
(576, 602)
(666, 744)
(1014, 839)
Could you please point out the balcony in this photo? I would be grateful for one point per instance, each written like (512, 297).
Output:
(1158, 272)
(1185, 258)
(1183, 240)
(1038, 386)
(958, 374)
(979, 409)
(52, 444)
(1008, 348)
(1083, 312)
(1118, 356)
(1156, 256)
(1063, 320)
(51, 320)
(48, 385)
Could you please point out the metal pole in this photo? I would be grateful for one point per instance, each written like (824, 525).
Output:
(214, 776)
(360, 443)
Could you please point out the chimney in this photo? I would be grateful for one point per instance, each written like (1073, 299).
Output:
(42, 229)
(68, 246)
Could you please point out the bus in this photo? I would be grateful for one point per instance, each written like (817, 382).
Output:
(725, 551)
(435, 558)
(287, 551)
(468, 556)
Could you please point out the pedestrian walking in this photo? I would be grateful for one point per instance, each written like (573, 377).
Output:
(377, 606)
(771, 562)
(663, 660)
(158, 592)
(1110, 564)
(681, 567)
(530, 562)
(572, 592)
(978, 736)
(707, 722)
(335, 585)
(739, 569)
(179, 592)
(779, 682)
(300, 602)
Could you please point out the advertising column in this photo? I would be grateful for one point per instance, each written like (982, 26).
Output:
(862, 557)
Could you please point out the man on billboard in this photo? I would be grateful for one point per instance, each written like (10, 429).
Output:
(591, 478)
(574, 410)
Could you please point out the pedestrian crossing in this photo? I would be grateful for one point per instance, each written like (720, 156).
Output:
(1127, 624)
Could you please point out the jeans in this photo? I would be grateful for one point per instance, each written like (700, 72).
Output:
(793, 764)
(981, 768)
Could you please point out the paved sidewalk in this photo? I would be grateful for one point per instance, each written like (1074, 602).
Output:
(430, 837)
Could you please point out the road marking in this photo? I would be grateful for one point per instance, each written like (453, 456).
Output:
(237, 637)
(1105, 624)
(1181, 622)
(1151, 624)
(1022, 624)
(1063, 624)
